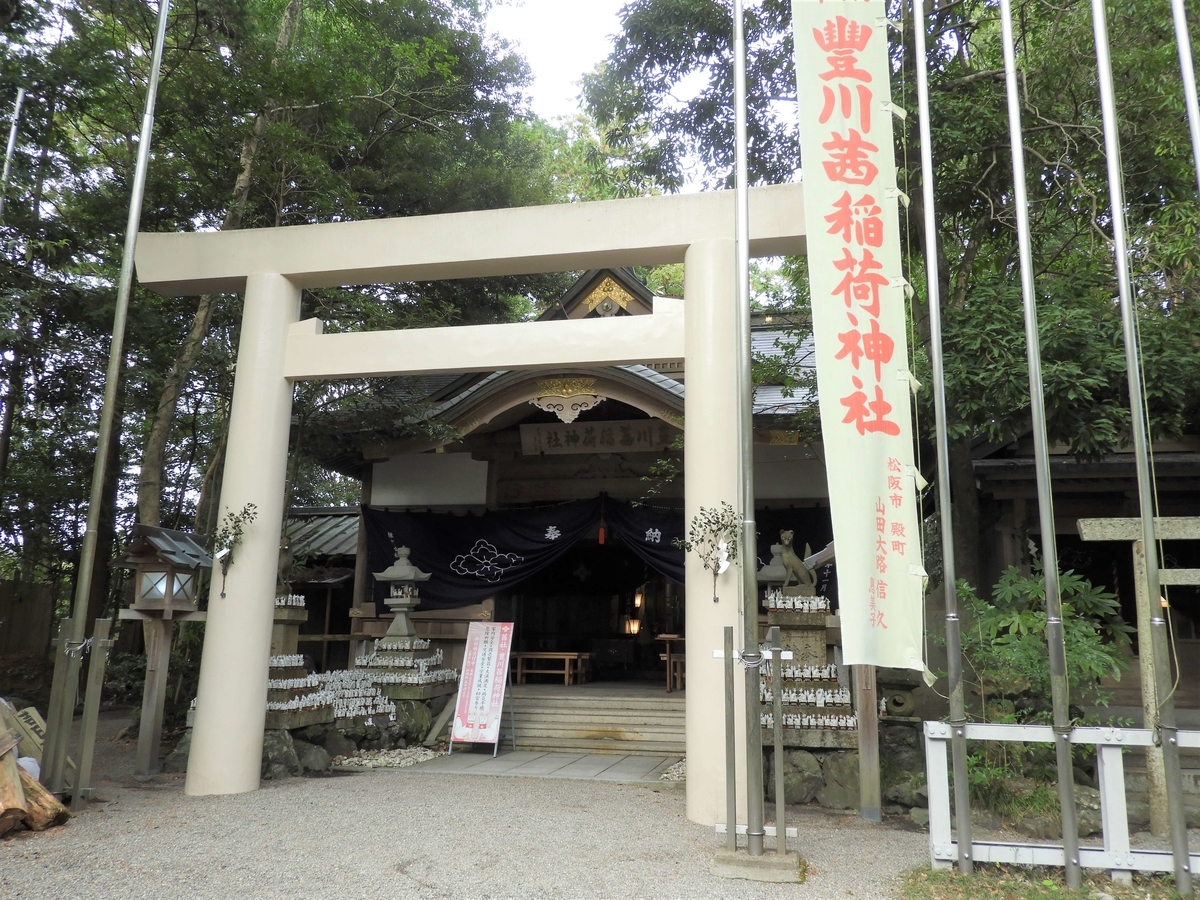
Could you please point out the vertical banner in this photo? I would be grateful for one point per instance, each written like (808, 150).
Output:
(859, 324)
(481, 687)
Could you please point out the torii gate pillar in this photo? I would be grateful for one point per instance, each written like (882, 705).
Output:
(226, 754)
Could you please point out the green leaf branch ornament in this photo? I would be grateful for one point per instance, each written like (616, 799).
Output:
(713, 536)
(229, 537)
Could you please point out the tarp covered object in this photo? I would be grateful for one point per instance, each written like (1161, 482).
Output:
(471, 557)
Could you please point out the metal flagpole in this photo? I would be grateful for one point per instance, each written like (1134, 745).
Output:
(1183, 41)
(750, 653)
(958, 715)
(1059, 688)
(12, 146)
(87, 557)
(1165, 726)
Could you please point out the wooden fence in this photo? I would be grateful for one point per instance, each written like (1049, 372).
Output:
(26, 613)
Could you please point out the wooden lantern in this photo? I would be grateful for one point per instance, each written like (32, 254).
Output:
(166, 568)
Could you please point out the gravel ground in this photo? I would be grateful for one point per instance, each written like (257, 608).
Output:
(400, 833)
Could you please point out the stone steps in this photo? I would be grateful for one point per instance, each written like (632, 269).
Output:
(590, 745)
(574, 719)
(598, 722)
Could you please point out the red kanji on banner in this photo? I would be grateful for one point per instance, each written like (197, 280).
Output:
(862, 285)
(848, 160)
(859, 411)
(847, 103)
(876, 617)
(857, 220)
(843, 40)
(878, 347)
(874, 345)
(898, 528)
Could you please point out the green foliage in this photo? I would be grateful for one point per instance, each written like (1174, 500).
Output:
(991, 881)
(229, 536)
(369, 110)
(664, 470)
(670, 69)
(1004, 646)
(713, 535)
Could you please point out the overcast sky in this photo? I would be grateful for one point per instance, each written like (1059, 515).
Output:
(561, 40)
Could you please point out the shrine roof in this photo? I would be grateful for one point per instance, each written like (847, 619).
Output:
(323, 532)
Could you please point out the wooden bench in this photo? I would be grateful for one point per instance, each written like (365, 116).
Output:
(573, 667)
(674, 660)
(676, 671)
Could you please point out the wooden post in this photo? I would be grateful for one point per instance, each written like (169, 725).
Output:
(91, 712)
(361, 596)
(866, 707)
(1156, 779)
(154, 697)
(777, 730)
(52, 775)
(730, 748)
(1182, 528)
(325, 643)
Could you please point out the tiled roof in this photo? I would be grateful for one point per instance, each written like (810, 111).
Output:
(323, 532)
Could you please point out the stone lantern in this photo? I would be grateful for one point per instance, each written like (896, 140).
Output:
(401, 577)
(402, 665)
(166, 568)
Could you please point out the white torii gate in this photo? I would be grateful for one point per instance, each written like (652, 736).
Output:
(271, 266)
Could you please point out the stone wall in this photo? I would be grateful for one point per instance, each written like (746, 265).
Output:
(830, 777)
(312, 748)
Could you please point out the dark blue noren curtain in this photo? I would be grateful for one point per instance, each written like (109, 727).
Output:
(472, 557)
(650, 532)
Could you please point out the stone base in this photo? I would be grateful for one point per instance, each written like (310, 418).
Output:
(794, 618)
(772, 867)
(289, 719)
(417, 691)
(287, 672)
(817, 738)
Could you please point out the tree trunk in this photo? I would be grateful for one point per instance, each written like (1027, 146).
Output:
(15, 394)
(44, 810)
(965, 509)
(210, 486)
(151, 479)
(106, 534)
(13, 806)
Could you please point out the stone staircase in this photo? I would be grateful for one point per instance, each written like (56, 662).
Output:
(629, 719)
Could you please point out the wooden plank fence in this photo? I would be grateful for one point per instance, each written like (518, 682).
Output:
(26, 614)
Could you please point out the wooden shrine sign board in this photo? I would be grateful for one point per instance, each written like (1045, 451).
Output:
(481, 685)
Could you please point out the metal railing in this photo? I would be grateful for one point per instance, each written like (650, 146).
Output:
(1115, 854)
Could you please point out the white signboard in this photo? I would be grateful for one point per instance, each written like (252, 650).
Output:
(860, 323)
(481, 688)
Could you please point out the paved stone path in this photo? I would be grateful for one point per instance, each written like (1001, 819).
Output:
(420, 833)
(534, 764)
